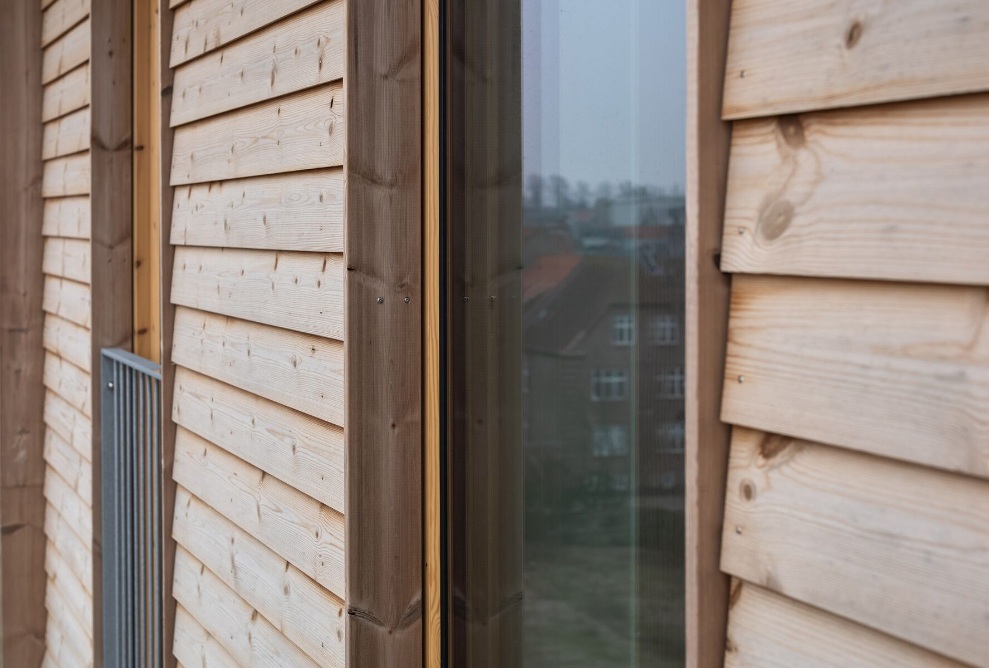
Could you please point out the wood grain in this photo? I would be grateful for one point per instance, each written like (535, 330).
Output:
(66, 94)
(890, 192)
(60, 16)
(77, 599)
(67, 340)
(68, 217)
(816, 54)
(301, 371)
(194, 646)
(296, 211)
(67, 258)
(895, 547)
(69, 423)
(299, 291)
(247, 636)
(304, 452)
(70, 51)
(204, 25)
(76, 553)
(302, 131)
(66, 135)
(889, 369)
(301, 530)
(70, 465)
(76, 645)
(67, 299)
(302, 51)
(68, 505)
(771, 631)
(71, 175)
(69, 382)
(305, 612)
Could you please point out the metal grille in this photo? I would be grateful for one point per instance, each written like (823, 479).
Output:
(132, 510)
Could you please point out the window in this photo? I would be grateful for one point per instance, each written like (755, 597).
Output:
(623, 330)
(609, 385)
(610, 440)
(670, 384)
(664, 330)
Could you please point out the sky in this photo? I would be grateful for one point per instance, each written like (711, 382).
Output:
(604, 90)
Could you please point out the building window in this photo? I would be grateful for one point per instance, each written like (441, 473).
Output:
(664, 330)
(623, 330)
(610, 440)
(670, 384)
(609, 385)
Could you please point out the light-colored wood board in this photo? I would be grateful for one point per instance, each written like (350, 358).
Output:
(306, 533)
(70, 175)
(889, 192)
(58, 652)
(77, 554)
(306, 613)
(886, 368)
(68, 341)
(66, 135)
(194, 646)
(68, 217)
(295, 211)
(75, 647)
(67, 258)
(172, 4)
(66, 94)
(247, 636)
(298, 291)
(816, 54)
(896, 547)
(68, 504)
(204, 25)
(69, 52)
(302, 131)
(304, 452)
(69, 382)
(766, 630)
(68, 463)
(301, 371)
(300, 52)
(70, 424)
(78, 600)
(46, 3)
(68, 299)
(59, 17)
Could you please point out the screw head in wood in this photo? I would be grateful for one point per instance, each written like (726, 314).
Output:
(407, 300)
(741, 379)
(381, 300)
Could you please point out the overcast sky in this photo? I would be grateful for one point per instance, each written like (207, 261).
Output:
(605, 90)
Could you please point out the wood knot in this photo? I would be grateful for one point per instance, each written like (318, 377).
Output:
(748, 490)
(772, 445)
(853, 34)
(775, 219)
(792, 130)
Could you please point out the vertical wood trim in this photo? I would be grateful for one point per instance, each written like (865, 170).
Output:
(707, 439)
(22, 466)
(110, 198)
(431, 333)
(166, 318)
(383, 341)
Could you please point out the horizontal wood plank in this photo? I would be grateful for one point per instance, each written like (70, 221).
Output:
(298, 291)
(766, 630)
(68, 505)
(67, 53)
(77, 598)
(67, 258)
(204, 25)
(67, 176)
(247, 636)
(59, 17)
(77, 554)
(301, 371)
(896, 547)
(295, 604)
(298, 528)
(295, 211)
(68, 217)
(68, 299)
(69, 463)
(194, 646)
(70, 424)
(66, 135)
(69, 382)
(891, 192)
(899, 370)
(75, 646)
(302, 451)
(816, 54)
(302, 131)
(69, 341)
(300, 52)
(66, 94)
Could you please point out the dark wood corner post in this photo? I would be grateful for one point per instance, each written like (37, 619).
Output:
(111, 277)
(384, 333)
(22, 465)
